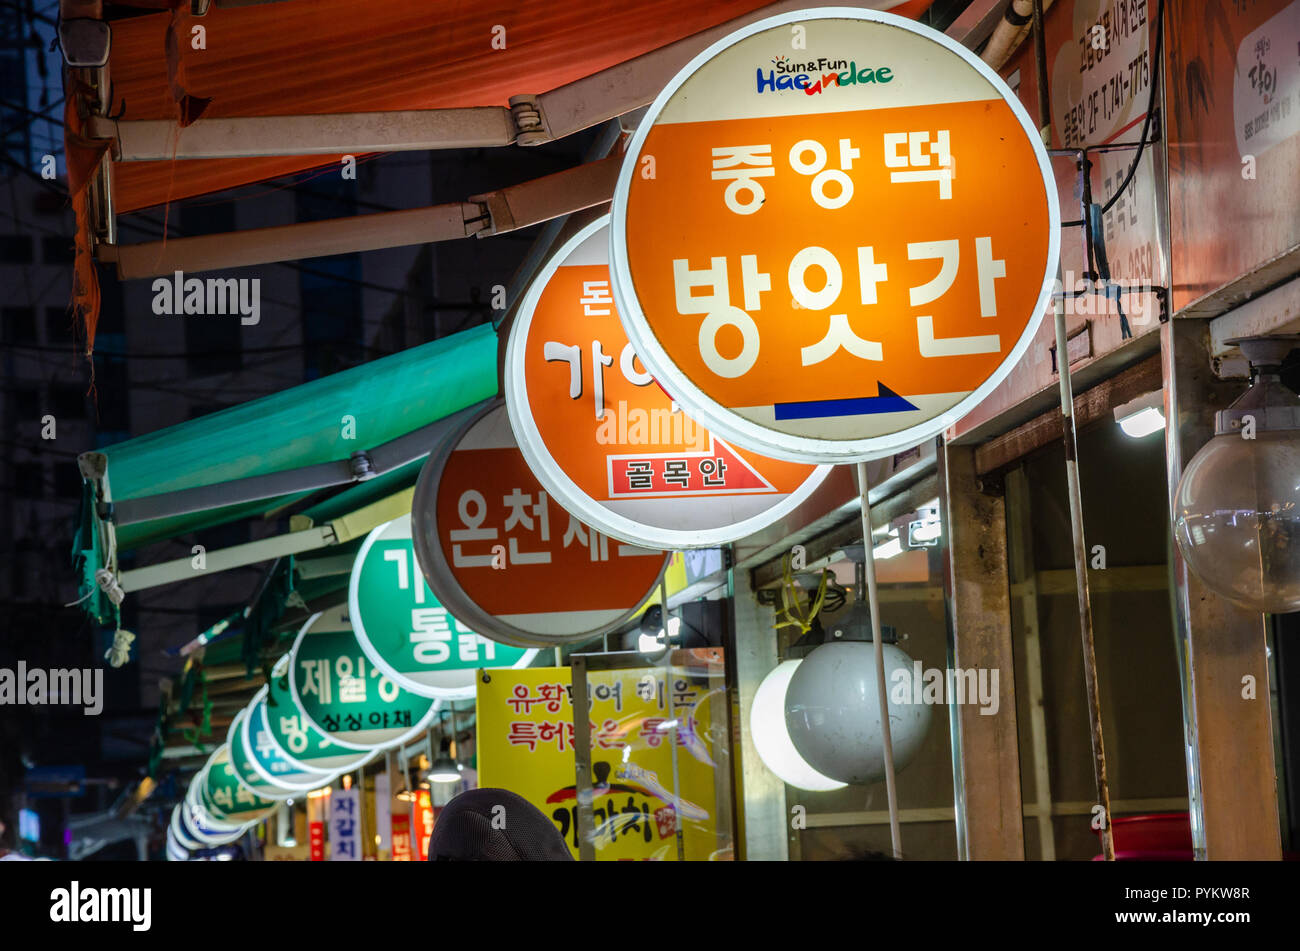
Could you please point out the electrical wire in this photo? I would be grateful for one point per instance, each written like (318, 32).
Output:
(836, 595)
(1151, 108)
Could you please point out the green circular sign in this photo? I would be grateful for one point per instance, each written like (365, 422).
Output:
(334, 685)
(296, 740)
(192, 824)
(406, 632)
(241, 761)
(226, 797)
(201, 812)
(271, 768)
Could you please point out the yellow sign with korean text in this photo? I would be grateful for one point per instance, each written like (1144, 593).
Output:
(526, 745)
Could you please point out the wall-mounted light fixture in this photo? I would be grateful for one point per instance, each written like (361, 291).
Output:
(1237, 506)
(1142, 416)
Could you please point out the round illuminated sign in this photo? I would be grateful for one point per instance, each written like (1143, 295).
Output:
(225, 797)
(606, 441)
(506, 559)
(200, 817)
(298, 742)
(179, 834)
(833, 234)
(195, 829)
(176, 852)
(351, 702)
(264, 756)
(406, 633)
(241, 761)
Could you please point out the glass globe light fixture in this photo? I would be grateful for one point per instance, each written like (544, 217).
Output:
(832, 707)
(1237, 506)
(772, 736)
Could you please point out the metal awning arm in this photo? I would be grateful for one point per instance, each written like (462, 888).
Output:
(152, 140)
(508, 209)
(201, 498)
(237, 556)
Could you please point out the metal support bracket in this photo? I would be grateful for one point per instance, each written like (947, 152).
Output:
(529, 118)
(237, 556)
(507, 209)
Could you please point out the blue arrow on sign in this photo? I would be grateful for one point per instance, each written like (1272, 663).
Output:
(886, 401)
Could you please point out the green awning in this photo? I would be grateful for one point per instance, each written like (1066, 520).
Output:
(374, 420)
(324, 421)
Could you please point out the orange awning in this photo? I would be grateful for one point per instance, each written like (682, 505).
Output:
(331, 56)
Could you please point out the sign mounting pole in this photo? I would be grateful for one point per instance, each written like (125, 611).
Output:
(672, 718)
(869, 561)
(1072, 483)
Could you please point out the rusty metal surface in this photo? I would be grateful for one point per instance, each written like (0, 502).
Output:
(1233, 199)
(1232, 783)
(977, 590)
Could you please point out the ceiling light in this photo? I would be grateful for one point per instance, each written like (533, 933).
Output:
(444, 768)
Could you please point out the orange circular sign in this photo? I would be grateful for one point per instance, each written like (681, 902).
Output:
(834, 232)
(505, 559)
(606, 441)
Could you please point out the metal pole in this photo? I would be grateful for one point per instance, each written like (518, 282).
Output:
(1072, 484)
(1040, 60)
(455, 740)
(583, 820)
(869, 563)
(1081, 580)
(672, 719)
(410, 800)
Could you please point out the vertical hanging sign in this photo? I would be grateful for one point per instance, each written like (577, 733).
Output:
(345, 825)
(317, 837)
(401, 837)
(423, 826)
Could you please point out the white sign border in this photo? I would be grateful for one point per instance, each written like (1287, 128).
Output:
(567, 492)
(246, 737)
(235, 732)
(252, 818)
